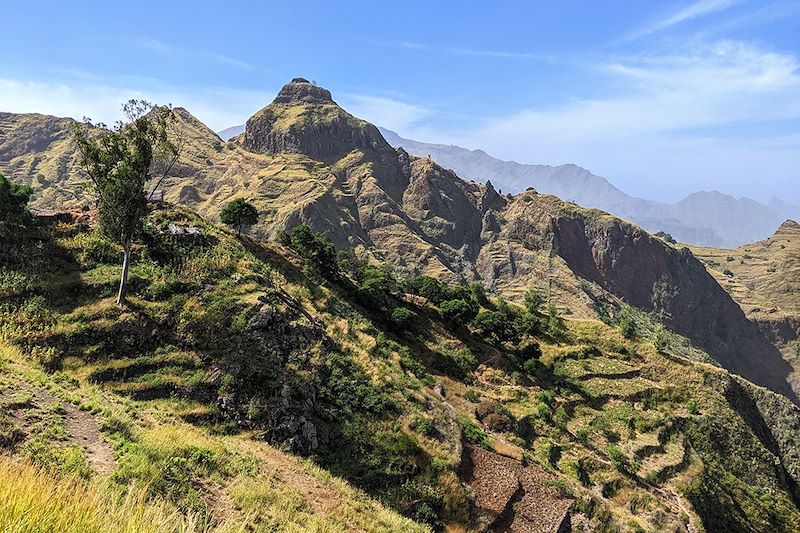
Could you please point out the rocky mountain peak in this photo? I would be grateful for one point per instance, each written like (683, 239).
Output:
(302, 91)
(304, 119)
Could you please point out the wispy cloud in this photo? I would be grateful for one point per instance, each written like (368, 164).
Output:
(717, 84)
(665, 123)
(762, 15)
(471, 52)
(697, 9)
(183, 52)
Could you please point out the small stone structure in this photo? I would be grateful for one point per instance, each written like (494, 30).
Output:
(513, 496)
(49, 215)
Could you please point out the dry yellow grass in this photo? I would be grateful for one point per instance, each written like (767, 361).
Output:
(34, 502)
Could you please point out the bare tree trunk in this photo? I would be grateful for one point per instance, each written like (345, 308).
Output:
(123, 282)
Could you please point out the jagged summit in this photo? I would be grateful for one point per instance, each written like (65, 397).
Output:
(302, 91)
(304, 119)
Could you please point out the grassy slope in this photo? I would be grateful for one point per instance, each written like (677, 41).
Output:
(764, 279)
(636, 436)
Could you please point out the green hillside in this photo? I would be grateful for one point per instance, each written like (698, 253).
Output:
(247, 388)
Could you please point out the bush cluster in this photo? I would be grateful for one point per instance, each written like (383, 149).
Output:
(316, 250)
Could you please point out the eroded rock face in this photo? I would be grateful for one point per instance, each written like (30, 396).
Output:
(282, 407)
(673, 284)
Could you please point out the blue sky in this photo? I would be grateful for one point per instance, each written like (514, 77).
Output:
(663, 98)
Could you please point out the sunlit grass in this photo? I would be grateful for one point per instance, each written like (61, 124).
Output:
(32, 501)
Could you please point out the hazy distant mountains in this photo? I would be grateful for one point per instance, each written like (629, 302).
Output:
(233, 131)
(706, 218)
(702, 218)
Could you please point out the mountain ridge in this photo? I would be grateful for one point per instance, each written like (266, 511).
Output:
(303, 159)
(593, 413)
(703, 218)
(577, 184)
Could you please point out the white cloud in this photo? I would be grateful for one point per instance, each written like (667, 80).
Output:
(724, 83)
(647, 137)
(217, 107)
(697, 9)
(387, 112)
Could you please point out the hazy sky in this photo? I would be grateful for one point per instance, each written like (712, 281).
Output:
(663, 98)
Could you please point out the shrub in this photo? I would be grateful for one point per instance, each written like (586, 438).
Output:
(533, 301)
(424, 426)
(428, 287)
(473, 433)
(472, 396)
(458, 311)
(555, 326)
(403, 318)
(728, 272)
(660, 338)
(489, 406)
(371, 294)
(505, 324)
(318, 253)
(626, 325)
(456, 361)
(478, 293)
(14, 202)
(498, 422)
(617, 457)
(561, 417)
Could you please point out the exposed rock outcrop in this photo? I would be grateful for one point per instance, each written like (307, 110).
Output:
(304, 119)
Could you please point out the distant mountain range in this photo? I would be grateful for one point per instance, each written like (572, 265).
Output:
(706, 218)
(229, 133)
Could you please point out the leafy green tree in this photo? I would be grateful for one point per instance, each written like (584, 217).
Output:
(318, 253)
(430, 288)
(459, 311)
(404, 318)
(626, 324)
(660, 340)
(239, 214)
(381, 276)
(14, 213)
(533, 301)
(479, 293)
(126, 165)
(504, 324)
(555, 326)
